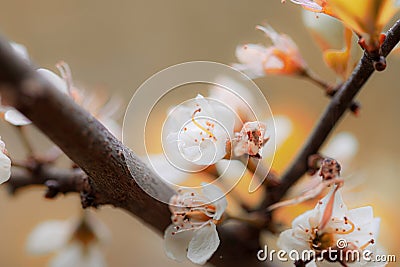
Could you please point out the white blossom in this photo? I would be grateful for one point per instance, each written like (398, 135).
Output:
(313, 231)
(5, 163)
(76, 243)
(197, 133)
(193, 233)
(250, 139)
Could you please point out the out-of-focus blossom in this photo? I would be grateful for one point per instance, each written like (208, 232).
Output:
(76, 243)
(20, 50)
(238, 97)
(326, 31)
(168, 172)
(345, 230)
(10, 114)
(282, 57)
(335, 41)
(14, 117)
(107, 110)
(5, 163)
(193, 233)
(366, 17)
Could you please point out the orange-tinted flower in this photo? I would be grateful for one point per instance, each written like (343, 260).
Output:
(366, 17)
(282, 57)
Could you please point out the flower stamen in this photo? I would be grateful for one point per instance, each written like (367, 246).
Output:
(210, 134)
(370, 242)
(347, 221)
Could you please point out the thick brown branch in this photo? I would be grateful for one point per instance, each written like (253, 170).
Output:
(109, 164)
(333, 113)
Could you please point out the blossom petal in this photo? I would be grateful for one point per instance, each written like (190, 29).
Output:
(339, 208)
(49, 236)
(302, 220)
(288, 242)
(165, 169)
(215, 194)
(16, 118)
(326, 31)
(20, 50)
(176, 245)
(54, 79)
(282, 129)
(309, 4)
(362, 214)
(5, 167)
(75, 255)
(252, 58)
(204, 244)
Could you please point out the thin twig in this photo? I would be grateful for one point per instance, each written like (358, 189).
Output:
(333, 113)
(329, 90)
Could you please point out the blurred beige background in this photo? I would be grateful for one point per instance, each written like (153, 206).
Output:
(119, 44)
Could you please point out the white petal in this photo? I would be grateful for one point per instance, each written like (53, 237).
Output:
(16, 118)
(339, 208)
(252, 57)
(20, 50)
(164, 169)
(303, 220)
(326, 28)
(279, 129)
(361, 215)
(75, 255)
(309, 4)
(49, 236)
(94, 258)
(230, 171)
(274, 62)
(236, 95)
(5, 167)
(204, 244)
(287, 242)
(69, 256)
(215, 194)
(54, 79)
(176, 245)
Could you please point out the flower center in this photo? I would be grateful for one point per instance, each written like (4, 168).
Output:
(206, 130)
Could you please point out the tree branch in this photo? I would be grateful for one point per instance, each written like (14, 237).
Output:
(107, 162)
(111, 167)
(333, 113)
(55, 179)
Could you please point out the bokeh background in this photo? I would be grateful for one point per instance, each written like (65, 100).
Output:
(116, 45)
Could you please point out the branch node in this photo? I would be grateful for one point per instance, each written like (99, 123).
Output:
(380, 64)
(53, 188)
(88, 195)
